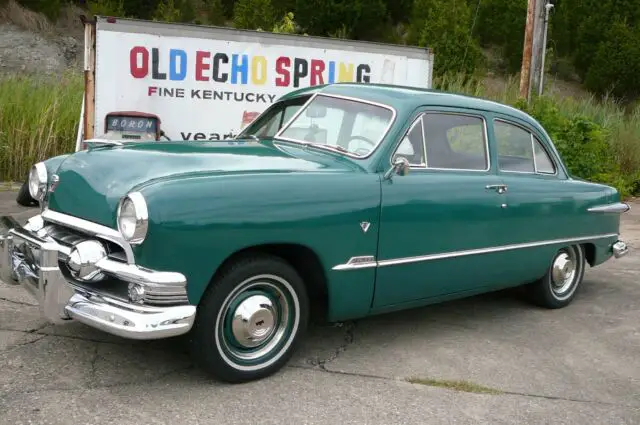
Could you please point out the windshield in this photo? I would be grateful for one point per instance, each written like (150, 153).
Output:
(272, 120)
(351, 126)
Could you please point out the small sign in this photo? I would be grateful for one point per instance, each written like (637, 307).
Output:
(131, 124)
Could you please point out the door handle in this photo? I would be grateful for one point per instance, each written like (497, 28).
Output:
(500, 188)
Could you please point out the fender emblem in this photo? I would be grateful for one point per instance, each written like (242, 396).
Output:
(365, 226)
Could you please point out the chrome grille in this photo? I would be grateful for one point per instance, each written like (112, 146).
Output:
(112, 287)
(69, 237)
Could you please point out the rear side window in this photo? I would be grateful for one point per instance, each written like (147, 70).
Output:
(520, 151)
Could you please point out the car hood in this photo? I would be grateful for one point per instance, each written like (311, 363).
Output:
(92, 182)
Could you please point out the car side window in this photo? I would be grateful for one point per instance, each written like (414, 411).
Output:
(455, 142)
(543, 161)
(520, 151)
(412, 145)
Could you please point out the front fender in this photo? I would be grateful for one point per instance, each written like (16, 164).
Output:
(54, 163)
(195, 223)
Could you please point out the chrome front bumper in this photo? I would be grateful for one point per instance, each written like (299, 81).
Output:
(33, 262)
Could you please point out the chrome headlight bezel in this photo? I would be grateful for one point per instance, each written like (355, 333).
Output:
(38, 181)
(133, 218)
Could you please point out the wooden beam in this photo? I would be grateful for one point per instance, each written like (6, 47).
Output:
(525, 72)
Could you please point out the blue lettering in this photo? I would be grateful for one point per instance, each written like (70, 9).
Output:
(236, 68)
(177, 74)
(332, 72)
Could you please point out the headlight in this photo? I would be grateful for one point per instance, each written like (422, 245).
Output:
(38, 181)
(133, 218)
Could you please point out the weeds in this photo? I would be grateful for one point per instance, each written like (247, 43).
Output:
(463, 386)
(38, 119)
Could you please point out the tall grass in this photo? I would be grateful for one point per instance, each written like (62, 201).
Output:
(38, 119)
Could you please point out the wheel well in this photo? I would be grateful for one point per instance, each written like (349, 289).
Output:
(304, 260)
(590, 253)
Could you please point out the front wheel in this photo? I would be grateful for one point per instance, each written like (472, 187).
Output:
(250, 320)
(24, 197)
(557, 288)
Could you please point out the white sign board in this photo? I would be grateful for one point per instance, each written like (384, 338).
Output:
(209, 83)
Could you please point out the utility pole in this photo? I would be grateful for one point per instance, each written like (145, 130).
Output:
(547, 8)
(537, 47)
(525, 72)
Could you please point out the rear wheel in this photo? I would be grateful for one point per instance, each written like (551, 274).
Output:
(250, 320)
(563, 278)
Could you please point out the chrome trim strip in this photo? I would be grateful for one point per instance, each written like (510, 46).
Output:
(361, 262)
(142, 276)
(350, 265)
(616, 208)
(94, 229)
(394, 115)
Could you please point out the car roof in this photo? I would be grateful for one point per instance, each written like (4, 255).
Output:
(408, 98)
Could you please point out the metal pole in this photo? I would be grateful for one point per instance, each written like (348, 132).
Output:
(548, 8)
(526, 53)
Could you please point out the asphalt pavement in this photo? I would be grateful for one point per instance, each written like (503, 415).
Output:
(513, 363)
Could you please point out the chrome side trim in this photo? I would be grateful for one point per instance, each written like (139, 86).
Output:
(479, 251)
(94, 229)
(357, 263)
(361, 262)
(616, 208)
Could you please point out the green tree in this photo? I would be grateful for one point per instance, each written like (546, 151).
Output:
(615, 65)
(50, 8)
(253, 14)
(167, 11)
(444, 26)
(215, 12)
(142, 9)
(501, 23)
(357, 19)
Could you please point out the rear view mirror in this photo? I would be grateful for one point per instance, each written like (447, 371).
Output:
(400, 167)
(316, 111)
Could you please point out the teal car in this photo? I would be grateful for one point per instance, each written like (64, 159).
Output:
(338, 202)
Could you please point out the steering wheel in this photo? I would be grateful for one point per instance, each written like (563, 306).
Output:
(364, 139)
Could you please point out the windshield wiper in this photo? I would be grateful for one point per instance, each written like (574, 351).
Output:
(248, 136)
(328, 147)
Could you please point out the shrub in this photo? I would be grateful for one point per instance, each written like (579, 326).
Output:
(253, 14)
(444, 27)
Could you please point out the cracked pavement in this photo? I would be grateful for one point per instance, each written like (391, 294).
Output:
(578, 365)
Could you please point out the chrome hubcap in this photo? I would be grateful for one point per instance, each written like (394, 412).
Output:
(257, 322)
(563, 271)
(253, 321)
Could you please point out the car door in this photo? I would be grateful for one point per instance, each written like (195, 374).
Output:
(540, 205)
(436, 220)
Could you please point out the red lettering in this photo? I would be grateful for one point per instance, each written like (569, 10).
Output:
(139, 71)
(317, 68)
(282, 63)
(152, 90)
(201, 66)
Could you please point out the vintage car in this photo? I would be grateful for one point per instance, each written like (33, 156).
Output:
(338, 202)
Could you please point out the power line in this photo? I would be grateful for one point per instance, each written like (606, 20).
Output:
(473, 24)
